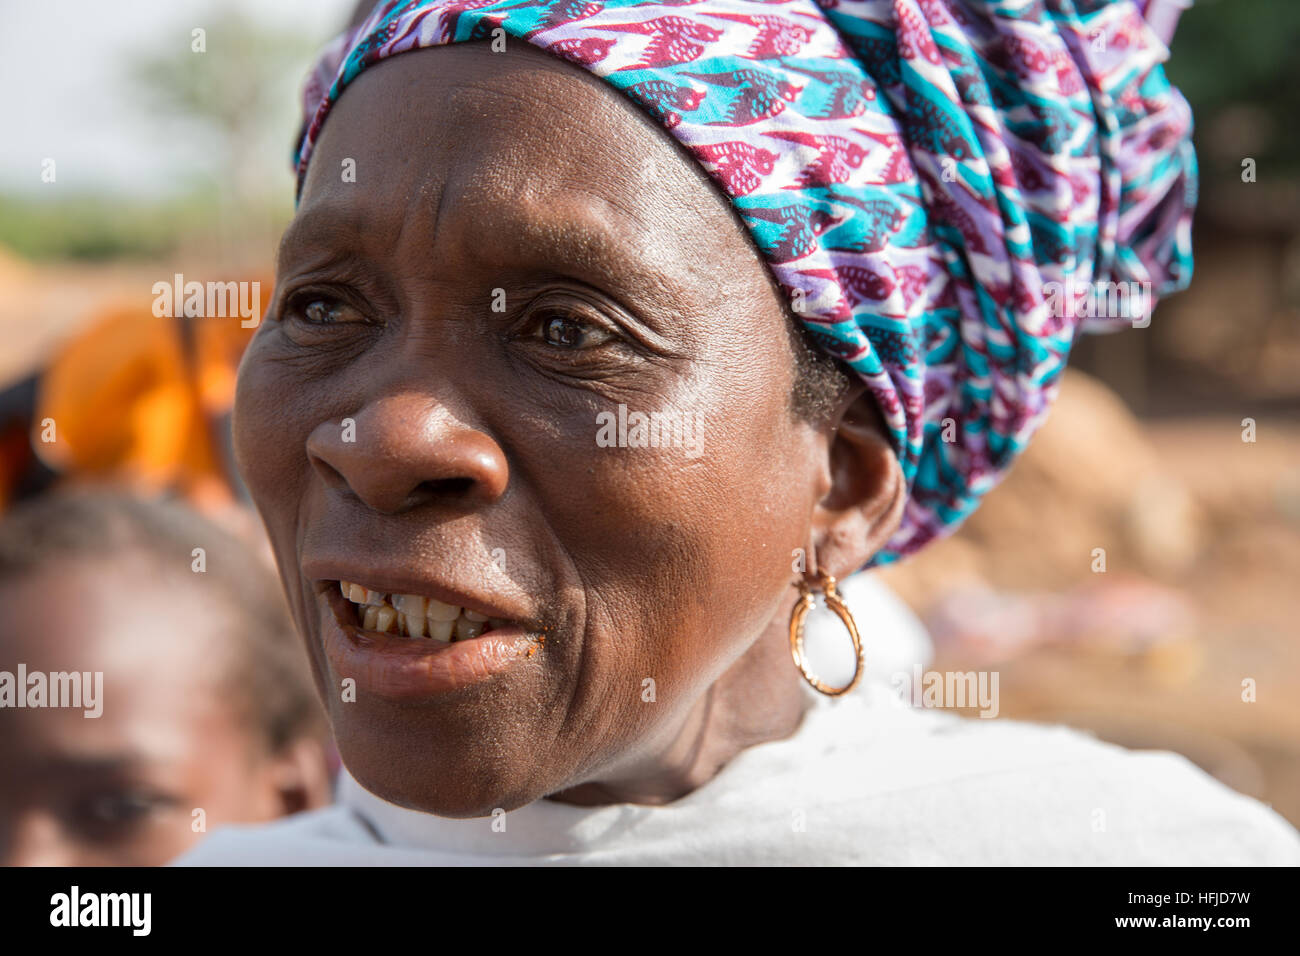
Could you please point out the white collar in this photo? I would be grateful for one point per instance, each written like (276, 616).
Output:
(546, 827)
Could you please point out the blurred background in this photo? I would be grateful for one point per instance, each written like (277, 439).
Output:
(129, 155)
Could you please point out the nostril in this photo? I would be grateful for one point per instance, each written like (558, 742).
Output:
(444, 488)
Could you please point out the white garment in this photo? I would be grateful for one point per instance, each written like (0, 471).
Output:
(866, 779)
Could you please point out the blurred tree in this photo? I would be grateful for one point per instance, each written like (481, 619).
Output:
(1238, 64)
(237, 92)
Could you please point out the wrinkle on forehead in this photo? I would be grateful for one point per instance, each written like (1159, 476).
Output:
(494, 98)
(530, 129)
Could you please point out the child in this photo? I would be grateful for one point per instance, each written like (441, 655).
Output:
(185, 704)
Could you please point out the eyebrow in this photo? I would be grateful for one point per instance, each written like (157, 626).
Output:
(334, 227)
(91, 764)
(581, 238)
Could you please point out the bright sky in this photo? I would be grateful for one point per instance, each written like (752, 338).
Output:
(64, 91)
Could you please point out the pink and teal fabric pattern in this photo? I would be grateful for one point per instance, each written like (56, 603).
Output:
(923, 178)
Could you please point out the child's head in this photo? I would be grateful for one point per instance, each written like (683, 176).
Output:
(204, 703)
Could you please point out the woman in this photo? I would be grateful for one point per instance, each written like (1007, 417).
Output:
(602, 344)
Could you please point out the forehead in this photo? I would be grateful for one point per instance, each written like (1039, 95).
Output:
(134, 622)
(518, 147)
(163, 649)
(507, 111)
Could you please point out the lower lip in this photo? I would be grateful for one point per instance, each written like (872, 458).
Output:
(410, 668)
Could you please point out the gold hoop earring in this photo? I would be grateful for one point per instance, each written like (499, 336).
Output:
(805, 604)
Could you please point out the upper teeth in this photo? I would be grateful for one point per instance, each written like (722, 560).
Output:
(414, 615)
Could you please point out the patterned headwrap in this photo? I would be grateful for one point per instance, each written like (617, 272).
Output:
(945, 190)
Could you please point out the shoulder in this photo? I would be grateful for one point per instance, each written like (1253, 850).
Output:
(929, 787)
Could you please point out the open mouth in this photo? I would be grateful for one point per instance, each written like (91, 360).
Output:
(413, 615)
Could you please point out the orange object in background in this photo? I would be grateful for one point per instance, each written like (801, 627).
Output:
(144, 400)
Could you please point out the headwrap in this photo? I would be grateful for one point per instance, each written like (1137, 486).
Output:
(939, 187)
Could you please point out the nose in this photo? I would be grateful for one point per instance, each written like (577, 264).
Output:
(404, 451)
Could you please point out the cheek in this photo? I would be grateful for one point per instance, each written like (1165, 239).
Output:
(269, 432)
(683, 557)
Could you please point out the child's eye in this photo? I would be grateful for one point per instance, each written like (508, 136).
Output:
(115, 812)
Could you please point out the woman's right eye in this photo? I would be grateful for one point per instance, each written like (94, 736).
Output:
(317, 309)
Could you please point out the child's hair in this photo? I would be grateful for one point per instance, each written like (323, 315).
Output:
(266, 670)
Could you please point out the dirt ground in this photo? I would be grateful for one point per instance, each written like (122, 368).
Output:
(1205, 526)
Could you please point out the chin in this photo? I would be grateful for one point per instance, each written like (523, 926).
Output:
(455, 780)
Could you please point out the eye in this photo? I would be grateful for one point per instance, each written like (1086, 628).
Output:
(316, 308)
(115, 811)
(118, 808)
(571, 332)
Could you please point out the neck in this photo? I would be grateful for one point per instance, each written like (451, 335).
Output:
(758, 699)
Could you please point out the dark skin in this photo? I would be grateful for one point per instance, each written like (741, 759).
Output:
(627, 279)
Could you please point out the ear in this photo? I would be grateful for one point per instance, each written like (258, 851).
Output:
(864, 502)
(299, 776)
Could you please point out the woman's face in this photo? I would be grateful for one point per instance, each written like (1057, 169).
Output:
(494, 252)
